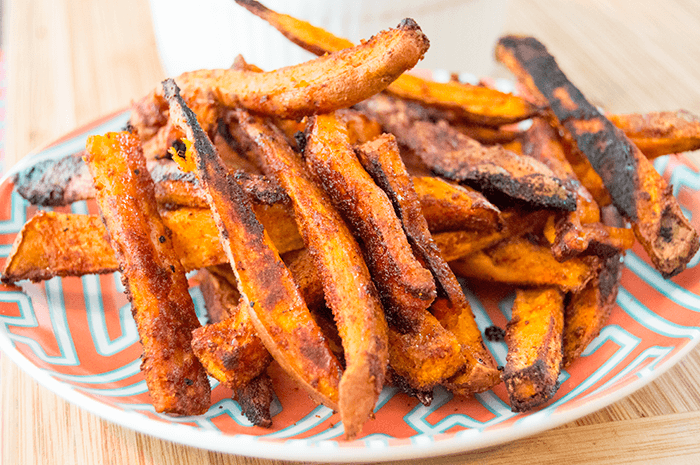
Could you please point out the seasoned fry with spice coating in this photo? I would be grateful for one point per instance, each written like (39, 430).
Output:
(661, 133)
(347, 284)
(534, 338)
(636, 188)
(381, 159)
(274, 303)
(405, 287)
(518, 261)
(501, 175)
(152, 274)
(327, 83)
(473, 103)
(579, 231)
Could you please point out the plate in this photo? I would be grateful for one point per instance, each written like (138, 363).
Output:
(75, 336)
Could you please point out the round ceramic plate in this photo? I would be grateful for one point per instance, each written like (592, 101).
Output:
(76, 337)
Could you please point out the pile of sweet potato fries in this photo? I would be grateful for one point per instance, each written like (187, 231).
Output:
(329, 208)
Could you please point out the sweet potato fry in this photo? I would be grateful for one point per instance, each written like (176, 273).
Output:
(636, 188)
(503, 176)
(474, 103)
(518, 261)
(405, 287)
(588, 310)
(457, 244)
(381, 159)
(230, 350)
(661, 133)
(447, 206)
(330, 82)
(347, 284)
(534, 336)
(222, 301)
(152, 274)
(274, 303)
(579, 231)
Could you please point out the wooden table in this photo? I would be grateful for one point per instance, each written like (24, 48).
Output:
(70, 61)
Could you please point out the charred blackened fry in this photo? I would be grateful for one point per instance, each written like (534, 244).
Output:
(473, 103)
(661, 133)
(579, 231)
(636, 188)
(381, 159)
(503, 176)
(347, 284)
(153, 276)
(272, 299)
(406, 288)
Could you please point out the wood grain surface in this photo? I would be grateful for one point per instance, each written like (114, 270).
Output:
(71, 61)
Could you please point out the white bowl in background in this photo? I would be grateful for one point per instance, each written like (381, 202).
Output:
(210, 33)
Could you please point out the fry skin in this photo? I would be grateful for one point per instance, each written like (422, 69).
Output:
(153, 276)
(405, 287)
(473, 103)
(381, 159)
(534, 336)
(274, 303)
(347, 284)
(636, 188)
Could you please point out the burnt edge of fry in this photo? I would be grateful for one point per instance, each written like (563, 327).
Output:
(538, 374)
(620, 177)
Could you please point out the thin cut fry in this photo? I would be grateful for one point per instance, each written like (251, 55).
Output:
(327, 83)
(636, 188)
(152, 274)
(230, 350)
(274, 303)
(534, 336)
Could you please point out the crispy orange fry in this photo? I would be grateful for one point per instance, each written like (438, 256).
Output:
(327, 83)
(534, 339)
(636, 188)
(230, 350)
(447, 206)
(661, 133)
(347, 284)
(274, 303)
(381, 159)
(518, 261)
(474, 103)
(405, 287)
(152, 273)
(588, 310)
